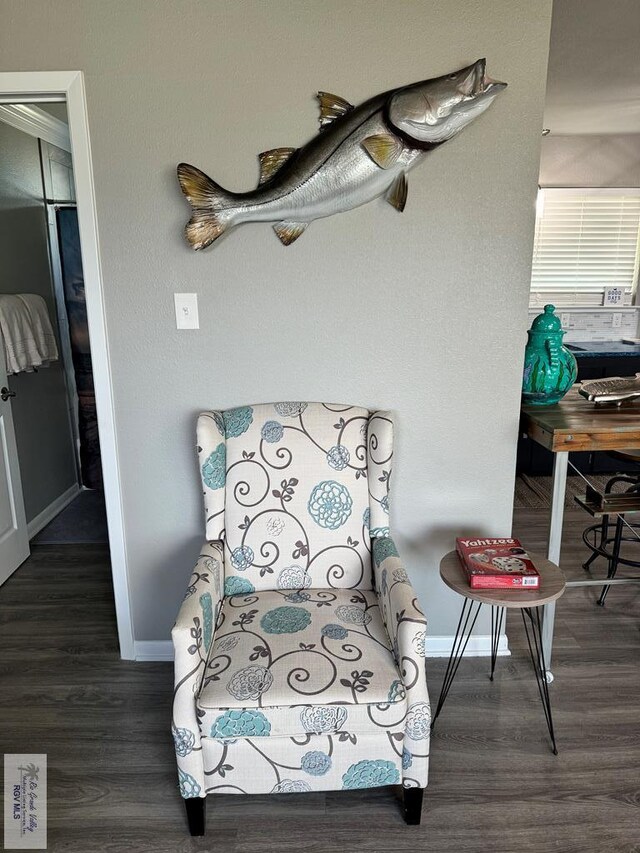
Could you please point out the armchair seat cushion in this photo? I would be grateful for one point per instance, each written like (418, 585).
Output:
(299, 662)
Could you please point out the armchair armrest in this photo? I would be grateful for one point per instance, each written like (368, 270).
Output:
(406, 626)
(192, 636)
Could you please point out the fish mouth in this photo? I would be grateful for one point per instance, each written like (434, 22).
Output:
(489, 85)
(482, 83)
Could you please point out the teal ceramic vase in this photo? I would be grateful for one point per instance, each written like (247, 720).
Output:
(550, 369)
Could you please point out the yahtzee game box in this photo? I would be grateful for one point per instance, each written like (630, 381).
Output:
(497, 564)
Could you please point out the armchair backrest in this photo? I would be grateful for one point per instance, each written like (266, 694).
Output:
(296, 491)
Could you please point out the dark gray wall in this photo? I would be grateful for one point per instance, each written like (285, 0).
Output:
(43, 432)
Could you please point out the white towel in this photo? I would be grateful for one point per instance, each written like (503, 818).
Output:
(26, 329)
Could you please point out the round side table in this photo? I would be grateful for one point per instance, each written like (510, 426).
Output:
(552, 585)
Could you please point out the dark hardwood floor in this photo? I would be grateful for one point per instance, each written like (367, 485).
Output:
(495, 785)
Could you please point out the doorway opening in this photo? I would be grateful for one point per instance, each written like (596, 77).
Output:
(54, 410)
(59, 477)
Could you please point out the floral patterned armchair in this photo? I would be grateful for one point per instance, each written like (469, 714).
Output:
(299, 647)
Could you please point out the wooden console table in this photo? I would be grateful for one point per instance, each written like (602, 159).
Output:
(575, 424)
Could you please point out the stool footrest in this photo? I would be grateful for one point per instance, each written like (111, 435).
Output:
(598, 504)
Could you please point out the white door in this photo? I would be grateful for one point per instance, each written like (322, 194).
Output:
(14, 539)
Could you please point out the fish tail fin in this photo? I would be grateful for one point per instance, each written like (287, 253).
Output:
(208, 201)
(203, 228)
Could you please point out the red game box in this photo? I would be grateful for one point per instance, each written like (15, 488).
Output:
(497, 564)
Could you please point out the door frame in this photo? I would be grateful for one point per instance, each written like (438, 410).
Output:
(70, 84)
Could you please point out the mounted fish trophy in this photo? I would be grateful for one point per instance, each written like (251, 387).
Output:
(359, 154)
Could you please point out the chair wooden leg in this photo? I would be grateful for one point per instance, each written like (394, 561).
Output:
(413, 805)
(196, 814)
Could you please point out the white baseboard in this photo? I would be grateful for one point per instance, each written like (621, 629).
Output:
(437, 647)
(148, 650)
(479, 645)
(49, 512)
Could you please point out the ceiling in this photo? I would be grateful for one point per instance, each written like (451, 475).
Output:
(593, 84)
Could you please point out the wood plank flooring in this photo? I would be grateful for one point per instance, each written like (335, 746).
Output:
(495, 785)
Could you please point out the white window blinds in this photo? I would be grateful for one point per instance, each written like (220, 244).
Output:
(585, 240)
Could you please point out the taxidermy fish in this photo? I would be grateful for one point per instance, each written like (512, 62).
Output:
(360, 153)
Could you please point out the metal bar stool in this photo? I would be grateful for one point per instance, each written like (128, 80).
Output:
(597, 537)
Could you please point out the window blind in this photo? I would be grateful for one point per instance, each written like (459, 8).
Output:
(585, 240)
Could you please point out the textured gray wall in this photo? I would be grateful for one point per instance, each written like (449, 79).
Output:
(43, 432)
(590, 161)
(423, 313)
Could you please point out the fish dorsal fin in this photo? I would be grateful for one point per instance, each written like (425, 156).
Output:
(331, 108)
(272, 161)
(288, 232)
(383, 148)
(397, 193)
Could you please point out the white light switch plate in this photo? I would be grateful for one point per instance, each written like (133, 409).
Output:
(616, 321)
(186, 305)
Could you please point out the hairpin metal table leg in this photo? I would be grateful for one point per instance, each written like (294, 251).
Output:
(466, 623)
(536, 651)
(497, 617)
